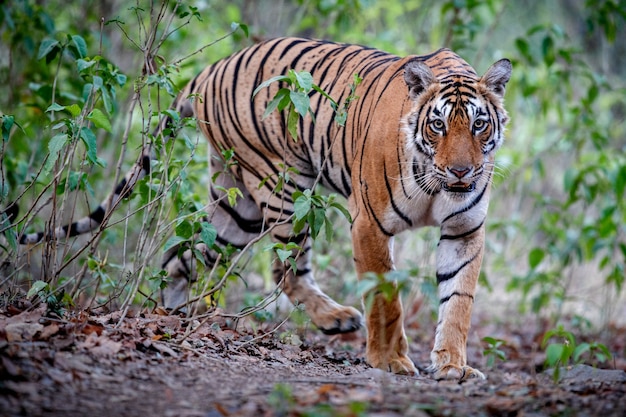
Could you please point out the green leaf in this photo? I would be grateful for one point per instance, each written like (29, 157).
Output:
(292, 125)
(184, 229)
(7, 125)
(9, 235)
(121, 79)
(55, 107)
(267, 83)
(73, 109)
(73, 182)
(89, 139)
(244, 28)
(283, 254)
(364, 286)
(36, 288)
(619, 183)
(48, 49)
(580, 350)
(301, 102)
(232, 194)
(280, 101)
(208, 233)
(301, 207)
(173, 241)
(547, 48)
(535, 257)
(524, 48)
(305, 80)
(329, 231)
(490, 340)
(54, 146)
(554, 352)
(100, 120)
(316, 221)
(343, 210)
(81, 45)
(108, 101)
(292, 265)
(82, 64)
(98, 82)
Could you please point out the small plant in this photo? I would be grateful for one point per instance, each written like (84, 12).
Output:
(562, 353)
(493, 351)
(56, 301)
(311, 209)
(281, 399)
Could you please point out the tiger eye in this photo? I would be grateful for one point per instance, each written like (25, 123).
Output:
(437, 124)
(479, 124)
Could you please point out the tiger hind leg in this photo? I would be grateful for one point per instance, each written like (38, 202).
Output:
(299, 285)
(236, 226)
(328, 316)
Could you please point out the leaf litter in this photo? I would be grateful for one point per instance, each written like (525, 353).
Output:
(87, 364)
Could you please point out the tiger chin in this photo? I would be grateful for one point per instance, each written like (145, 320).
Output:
(418, 150)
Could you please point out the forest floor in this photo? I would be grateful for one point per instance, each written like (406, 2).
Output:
(86, 364)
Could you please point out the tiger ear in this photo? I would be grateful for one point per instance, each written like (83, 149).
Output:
(418, 76)
(497, 76)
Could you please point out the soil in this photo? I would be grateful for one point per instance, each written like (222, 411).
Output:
(87, 364)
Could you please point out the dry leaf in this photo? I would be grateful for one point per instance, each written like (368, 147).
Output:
(22, 332)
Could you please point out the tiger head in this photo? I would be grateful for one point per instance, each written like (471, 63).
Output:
(455, 126)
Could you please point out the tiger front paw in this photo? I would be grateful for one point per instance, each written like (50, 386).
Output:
(400, 364)
(457, 373)
(444, 366)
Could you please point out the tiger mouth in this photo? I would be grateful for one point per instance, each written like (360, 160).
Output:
(460, 187)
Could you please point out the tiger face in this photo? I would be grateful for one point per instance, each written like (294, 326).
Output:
(455, 127)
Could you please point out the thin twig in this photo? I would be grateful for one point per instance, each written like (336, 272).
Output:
(264, 335)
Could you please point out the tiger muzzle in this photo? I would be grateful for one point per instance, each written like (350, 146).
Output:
(459, 180)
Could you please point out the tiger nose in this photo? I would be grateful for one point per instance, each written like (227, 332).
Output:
(460, 172)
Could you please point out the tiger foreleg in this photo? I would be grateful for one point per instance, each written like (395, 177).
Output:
(458, 267)
(387, 346)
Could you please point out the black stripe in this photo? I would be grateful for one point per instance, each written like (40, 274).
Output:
(391, 199)
(462, 235)
(246, 225)
(441, 277)
(302, 272)
(455, 294)
(223, 242)
(292, 239)
(121, 188)
(370, 209)
(98, 214)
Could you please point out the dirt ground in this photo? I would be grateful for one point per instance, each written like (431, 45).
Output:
(85, 364)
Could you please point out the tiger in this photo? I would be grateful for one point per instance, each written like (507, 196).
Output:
(418, 149)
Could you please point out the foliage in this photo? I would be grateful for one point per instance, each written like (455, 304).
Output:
(310, 209)
(593, 183)
(560, 354)
(56, 303)
(492, 351)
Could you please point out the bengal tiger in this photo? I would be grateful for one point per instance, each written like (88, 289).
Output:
(417, 150)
